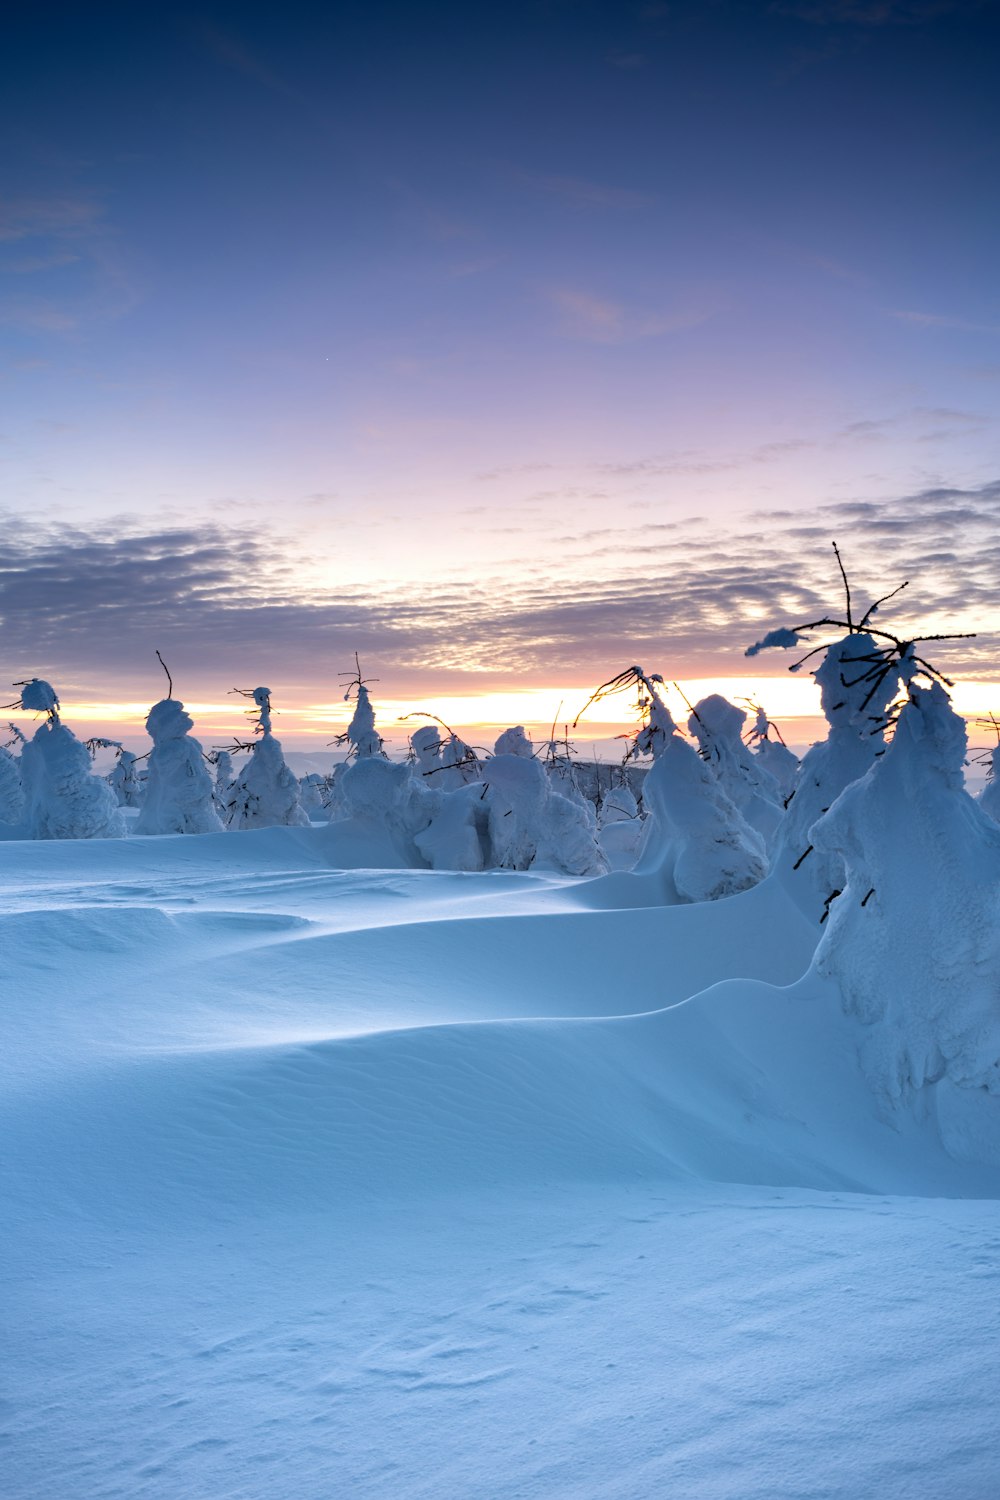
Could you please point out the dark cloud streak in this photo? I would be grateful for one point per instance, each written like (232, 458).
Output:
(226, 604)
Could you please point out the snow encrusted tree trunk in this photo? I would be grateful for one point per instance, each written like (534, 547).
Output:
(265, 794)
(913, 940)
(63, 798)
(179, 788)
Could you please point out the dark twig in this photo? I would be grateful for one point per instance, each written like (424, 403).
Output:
(170, 680)
(847, 586)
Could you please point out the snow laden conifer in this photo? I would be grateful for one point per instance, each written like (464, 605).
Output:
(11, 790)
(312, 790)
(225, 775)
(717, 725)
(124, 779)
(767, 745)
(619, 827)
(63, 798)
(696, 844)
(530, 824)
(989, 797)
(265, 793)
(858, 677)
(913, 938)
(361, 736)
(179, 788)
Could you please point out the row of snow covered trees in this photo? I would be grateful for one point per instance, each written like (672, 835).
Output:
(873, 835)
(719, 807)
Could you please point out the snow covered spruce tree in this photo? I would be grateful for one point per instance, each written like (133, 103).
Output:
(179, 788)
(619, 827)
(768, 747)
(440, 756)
(124, 779)
(530, 823)
(696, 844)
(422, 813)
(11, 790)
(265, 793)
(225, 775)
(989, 797)
(913, 938)
(361, 735)
(312, 791)
(63, 798)
(858, 677)
(717, 725)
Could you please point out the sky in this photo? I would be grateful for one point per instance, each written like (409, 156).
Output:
(504, 345)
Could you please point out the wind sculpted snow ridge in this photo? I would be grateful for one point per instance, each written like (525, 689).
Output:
(366, 1183)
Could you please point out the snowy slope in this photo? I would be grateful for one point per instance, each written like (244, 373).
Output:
(413, 1184)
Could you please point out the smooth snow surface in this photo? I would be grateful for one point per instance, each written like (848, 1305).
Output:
(406, 1184)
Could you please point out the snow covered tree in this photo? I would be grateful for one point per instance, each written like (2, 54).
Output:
(514, 742)
(11, 790)
(989, 797)
(179, 788)
(312, 789)
(265, 793)
(225, 775)
(426, 744)
(440, 756)
(361, 735)
(696, 842)
(913, 937)
(696, 845)
(124, 779)
(63, 798)
(767, 745)
(717, 725)
(619, 827)
(530, 825)
(858, 676)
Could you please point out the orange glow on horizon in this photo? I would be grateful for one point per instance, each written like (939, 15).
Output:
(793, 703)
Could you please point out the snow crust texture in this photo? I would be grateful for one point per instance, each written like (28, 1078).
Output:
(396, 1182)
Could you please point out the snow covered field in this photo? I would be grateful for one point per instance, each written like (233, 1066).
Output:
(349, 1183)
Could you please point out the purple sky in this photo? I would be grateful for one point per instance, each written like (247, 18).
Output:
(505, 345)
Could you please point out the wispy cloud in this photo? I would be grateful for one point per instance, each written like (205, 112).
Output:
(940, 320)
(77, 270)
(57, 216)
(598, 320)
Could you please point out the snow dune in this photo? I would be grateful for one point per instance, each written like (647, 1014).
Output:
(400, 1183)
